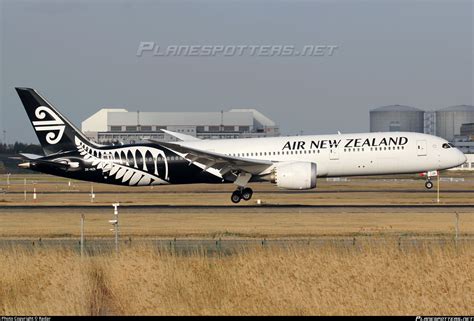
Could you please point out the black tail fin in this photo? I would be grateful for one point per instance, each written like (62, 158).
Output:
(55, 133)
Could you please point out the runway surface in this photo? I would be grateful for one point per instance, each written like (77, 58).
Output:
(241, 207)
(343, 191)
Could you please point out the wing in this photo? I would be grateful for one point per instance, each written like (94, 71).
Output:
(220, 162)
(180, 136)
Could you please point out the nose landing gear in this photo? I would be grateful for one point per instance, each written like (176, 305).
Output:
(429, 184)
(428, 175)
(241, 193)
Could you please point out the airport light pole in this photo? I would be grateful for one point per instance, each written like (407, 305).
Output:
(34, 191)
(92, 193)
(115, 223)
(437, 197)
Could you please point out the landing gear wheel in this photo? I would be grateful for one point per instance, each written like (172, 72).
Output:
(429, 184)
(236, 197)
(247, 193)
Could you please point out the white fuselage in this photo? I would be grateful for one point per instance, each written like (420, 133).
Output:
(346, 154)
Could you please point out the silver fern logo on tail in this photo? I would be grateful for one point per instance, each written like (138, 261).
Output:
(123, 163)
(55, 127)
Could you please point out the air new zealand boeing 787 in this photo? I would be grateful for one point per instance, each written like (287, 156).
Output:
(289, 162)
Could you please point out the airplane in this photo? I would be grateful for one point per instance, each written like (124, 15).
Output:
(293, 162)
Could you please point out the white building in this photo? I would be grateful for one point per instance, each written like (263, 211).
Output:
(120, 125)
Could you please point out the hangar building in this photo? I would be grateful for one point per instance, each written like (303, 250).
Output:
(121, 125)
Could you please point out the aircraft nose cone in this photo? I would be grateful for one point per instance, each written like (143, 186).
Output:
(462, 158)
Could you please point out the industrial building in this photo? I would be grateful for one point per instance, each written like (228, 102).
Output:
(121, 125)
(397, 118)
(455, 124)
(449, 120)
(449, 123)
(467, 130)
(430, 122)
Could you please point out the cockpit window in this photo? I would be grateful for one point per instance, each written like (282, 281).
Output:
(447, 145)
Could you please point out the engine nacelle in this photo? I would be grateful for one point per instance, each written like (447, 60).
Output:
(295, 175)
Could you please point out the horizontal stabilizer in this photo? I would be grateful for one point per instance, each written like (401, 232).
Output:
(30, 156)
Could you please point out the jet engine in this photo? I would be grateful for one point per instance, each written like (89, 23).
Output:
(294, 175)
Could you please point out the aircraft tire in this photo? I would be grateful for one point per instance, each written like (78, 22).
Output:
(236, 197)
(247, 194)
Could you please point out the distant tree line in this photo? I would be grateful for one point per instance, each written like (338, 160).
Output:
(18, 147)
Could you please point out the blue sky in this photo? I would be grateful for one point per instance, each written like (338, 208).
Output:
(81, 55)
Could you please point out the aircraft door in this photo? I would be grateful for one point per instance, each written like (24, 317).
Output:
(333, 154)
(421, 147)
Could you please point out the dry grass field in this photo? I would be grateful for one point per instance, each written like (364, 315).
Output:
(373, 276)
(368, 280)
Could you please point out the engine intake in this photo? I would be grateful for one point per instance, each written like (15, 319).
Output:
(295, 175)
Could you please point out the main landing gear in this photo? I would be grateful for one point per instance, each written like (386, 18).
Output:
(241, 193)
